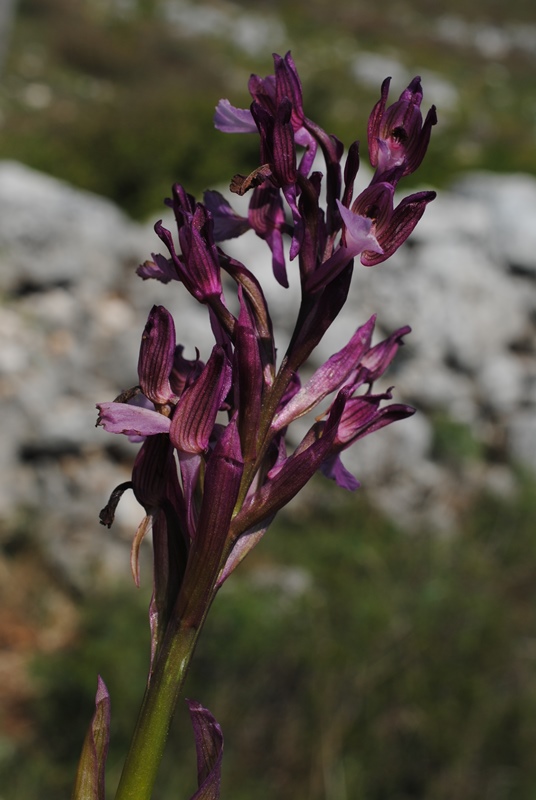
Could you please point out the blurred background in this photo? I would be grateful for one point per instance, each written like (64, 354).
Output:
(375, 646)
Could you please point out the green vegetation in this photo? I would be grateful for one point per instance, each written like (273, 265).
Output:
(346, 659)
(454, 443)
(110, 96)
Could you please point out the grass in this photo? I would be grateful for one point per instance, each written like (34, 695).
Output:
(123, 103)
(345, 659)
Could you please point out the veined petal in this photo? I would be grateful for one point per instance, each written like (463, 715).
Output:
(362, 416)
(203, 267)
(378, 358)
(374, 122)
(195, 413)
(156, 356)
(397, 229)
(396, 135)
(153, 462)
(209, 748)
(131, 420)
(284, 148)
(376, 203)
(288, 84)
(328, 377)
(230, 119)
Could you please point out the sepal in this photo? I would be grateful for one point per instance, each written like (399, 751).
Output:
(209, 749)
(89, 782)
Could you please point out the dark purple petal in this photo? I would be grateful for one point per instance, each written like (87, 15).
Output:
(350, 171)
(89, 782)
(157, 489)
(227, 223)
(416, 154)
(198, 268)
(263, 91)
(203, 265)
(396, 135)
(209, 749)
(374, 122)
(288, 85)
(185, 371)
(395, 232)
(165, 236)
(362, 416)
(156, 356)
(131, 420)
(284, 148)
(305, 139)
(266, 210)
(265, 122)
(376, 203)
(334, 469)
(274, 240)
(195, 413)
(378, 358)
(161, 268)
(182, 203)
(332, 150)
(149, 474)
(230, 119)
(267, 218)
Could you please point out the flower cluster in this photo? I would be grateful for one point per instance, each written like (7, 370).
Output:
(213, 468)
(215, 465)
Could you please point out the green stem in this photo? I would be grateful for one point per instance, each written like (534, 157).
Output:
(156, 713)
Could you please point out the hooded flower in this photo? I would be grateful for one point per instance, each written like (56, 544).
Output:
(397, 138)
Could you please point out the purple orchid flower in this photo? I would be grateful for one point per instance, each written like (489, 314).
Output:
(216, 461)
(397, 137)
(268, 93)
(180, 403)
(391, 226)
(266, 216)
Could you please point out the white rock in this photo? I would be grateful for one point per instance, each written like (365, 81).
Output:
(510, 201)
